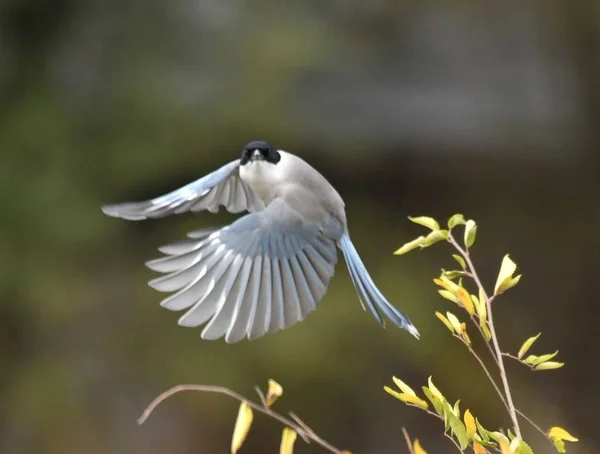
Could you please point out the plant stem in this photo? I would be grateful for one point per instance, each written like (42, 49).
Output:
(489, 375)
(302, 429)
(488, 301)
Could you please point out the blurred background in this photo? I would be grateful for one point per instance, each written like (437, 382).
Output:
(491, 109)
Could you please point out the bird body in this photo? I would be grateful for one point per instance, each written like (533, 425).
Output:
(269, 268)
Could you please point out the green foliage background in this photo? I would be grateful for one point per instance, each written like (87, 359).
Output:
(92, 111)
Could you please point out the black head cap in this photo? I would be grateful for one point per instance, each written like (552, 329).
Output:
(267, 152)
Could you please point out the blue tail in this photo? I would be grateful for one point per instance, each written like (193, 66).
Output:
(368, 293)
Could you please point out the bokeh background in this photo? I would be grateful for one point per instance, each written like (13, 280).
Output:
(491, 109)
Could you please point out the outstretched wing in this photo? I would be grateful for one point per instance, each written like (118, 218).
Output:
(264, 272)
(221, 187)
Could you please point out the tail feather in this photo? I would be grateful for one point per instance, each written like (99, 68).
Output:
(368, 291)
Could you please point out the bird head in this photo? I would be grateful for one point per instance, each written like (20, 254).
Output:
(259, 150)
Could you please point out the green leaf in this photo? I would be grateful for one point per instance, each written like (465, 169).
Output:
(403, 386)
(530, 359)
(470, 233)
(457, 219)
(456, 426)
(483, 432)
(407, 247)
(460, 261)
(527, 345)
(434, 237)
(559, 445)
(453, 274)
(435, 401)
(544, 358)
(504, 280)
(549, 365)
(426, 222)
(525, 448)
(444, 320)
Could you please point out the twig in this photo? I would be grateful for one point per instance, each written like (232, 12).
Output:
(489, 347)
(305, 433)
(528, 419)
(261, 396)
(487, 372)
(408, 442)
(500, 361)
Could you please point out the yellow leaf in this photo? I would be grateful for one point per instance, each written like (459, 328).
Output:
(288, 438)
(410, 246)
(448, 295)
(465, 300)
(414, 400)
(478, 449)
(445, 321)
(463, 333)
(454, 322)
(480, 306)
(549, 365)
(242, 427)
(504, 445)
(274, 392)
(561, 434)
(507, 269)
(417, 447)
(392, 392)
(403, 386)
(514, 445)
(527, 345)
(485, 329)
(430, 223)
(470, 424)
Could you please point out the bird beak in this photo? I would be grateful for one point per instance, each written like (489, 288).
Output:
(256, 155)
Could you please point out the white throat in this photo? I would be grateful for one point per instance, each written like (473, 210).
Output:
(262, 177)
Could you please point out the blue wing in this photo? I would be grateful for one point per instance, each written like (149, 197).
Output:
(221, 187)
(264, 272)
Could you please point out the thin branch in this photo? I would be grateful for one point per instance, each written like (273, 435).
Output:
(489, 347)
(408, 442)
(487, 372)
(261, 396)
(500, 361)
(303, 425)
(302, 431)
(528, 419)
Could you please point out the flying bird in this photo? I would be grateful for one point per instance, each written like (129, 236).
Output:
(268, 269)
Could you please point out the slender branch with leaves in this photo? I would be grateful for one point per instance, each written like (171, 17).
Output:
(293, 425)
(463, 431)
(467, 431)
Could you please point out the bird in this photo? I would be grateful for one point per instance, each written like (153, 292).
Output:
(269, 268)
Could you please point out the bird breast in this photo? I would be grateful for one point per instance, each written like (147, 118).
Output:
(262, 178)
